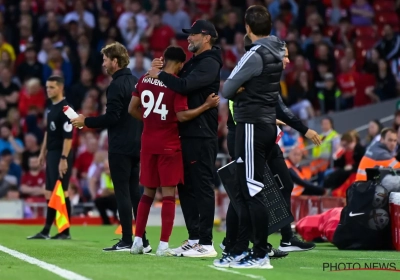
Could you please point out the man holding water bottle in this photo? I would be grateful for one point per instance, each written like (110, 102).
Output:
(124, 134)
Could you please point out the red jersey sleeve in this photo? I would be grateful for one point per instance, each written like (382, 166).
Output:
(24, 179)
(180, 103)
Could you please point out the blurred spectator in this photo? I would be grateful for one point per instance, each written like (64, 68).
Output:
(32, 149)
(80, 15)
(77, 92)
(5, 168)
(33, 181)
(31, 67)
(132, 8)
(159, 34)
(176, 18)
(389, 46)
(380, 154)
(105, 199)
(335, 13)
(13, 169)
(6, 48)
(93, 174)
(84, 160)
(7, 140)
(4, 184)
(57, 64)
(385, 87)
(275, 7)
(233, 26)
(330, 96)
(8, 89)
(361, 13)
(131, 34)
(374, 133)
(346, 161)
(346, 84)
(300, 95)
(301, 176)
(344, 35)
(32, 95)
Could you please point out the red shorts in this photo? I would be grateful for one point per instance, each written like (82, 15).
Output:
(164, 170)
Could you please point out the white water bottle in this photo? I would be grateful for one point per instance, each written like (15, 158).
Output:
(70, 113)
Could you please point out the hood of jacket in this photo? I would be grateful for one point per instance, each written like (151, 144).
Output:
(273, 44)
(215, 53)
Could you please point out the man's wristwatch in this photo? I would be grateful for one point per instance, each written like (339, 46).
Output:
(64, 157)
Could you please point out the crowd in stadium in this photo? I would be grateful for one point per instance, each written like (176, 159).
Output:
(343, 54)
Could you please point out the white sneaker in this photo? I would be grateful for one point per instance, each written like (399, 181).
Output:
(165, 252)
(183, 248)
(137, 248)
(201, 251)
(252, 262)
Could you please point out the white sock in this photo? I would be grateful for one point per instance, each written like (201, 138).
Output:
(163, 245)
(138, 240)
(192, 242)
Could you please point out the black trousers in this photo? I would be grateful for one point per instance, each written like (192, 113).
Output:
(124, 171)
(197, 195)
(105, 203)
(52, 174)
(253, 145)
(277, 164)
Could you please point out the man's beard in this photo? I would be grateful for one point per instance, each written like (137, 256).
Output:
(110, 70)
(193, 47)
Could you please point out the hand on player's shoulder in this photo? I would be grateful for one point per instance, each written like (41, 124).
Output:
(212, 100)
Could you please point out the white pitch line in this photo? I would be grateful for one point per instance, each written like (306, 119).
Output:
(63, 273)
(237, 272)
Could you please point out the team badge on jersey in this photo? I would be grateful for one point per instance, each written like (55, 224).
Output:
(67, 127)
(53, 126)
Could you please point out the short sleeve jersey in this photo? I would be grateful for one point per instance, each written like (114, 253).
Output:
(160, 124)
(58, 126)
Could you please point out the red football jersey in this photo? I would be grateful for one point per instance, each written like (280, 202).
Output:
(160, 124)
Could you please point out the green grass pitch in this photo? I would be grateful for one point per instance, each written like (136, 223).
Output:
(83, 255)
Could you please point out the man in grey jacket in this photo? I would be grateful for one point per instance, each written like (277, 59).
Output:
(259, 72)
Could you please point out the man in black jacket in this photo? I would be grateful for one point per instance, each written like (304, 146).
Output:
(124, 134)
(259, 72)
(199, 77)
(232, 245)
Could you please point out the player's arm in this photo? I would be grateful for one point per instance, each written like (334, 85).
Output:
(284, 114)
(204, 74)
(43, 150)
(187, 115)
(67, 144)
(250, 65)
(114, 109)
(134, 108)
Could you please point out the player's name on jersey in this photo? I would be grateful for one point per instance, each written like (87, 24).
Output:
(152, 81)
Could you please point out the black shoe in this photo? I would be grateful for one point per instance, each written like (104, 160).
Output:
(276, 254)
(39, 236)
(121, 246)
(61, 236)
(296, 245)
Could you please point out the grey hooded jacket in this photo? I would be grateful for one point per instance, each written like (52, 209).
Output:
(259, 72)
